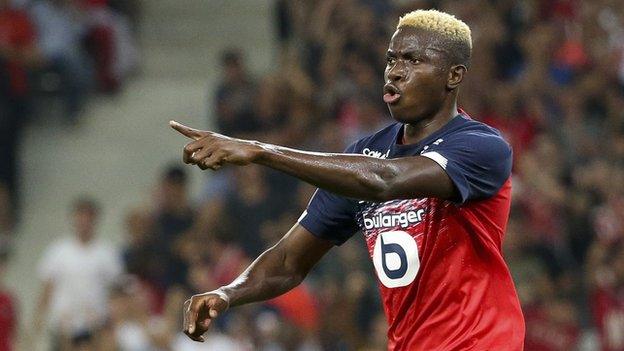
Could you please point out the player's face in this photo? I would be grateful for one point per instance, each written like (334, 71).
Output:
(84, 224)
(416, 75)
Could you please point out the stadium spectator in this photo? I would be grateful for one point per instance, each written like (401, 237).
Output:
(173, 217)
(18, 57)
(140, 255)
(60, 31)
(76, 274)
(234, 95)
(109, 43)
(131, 9)
(137, 251)
(247, 201)
(132, 326)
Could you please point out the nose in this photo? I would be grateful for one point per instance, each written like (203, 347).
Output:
(396, 72)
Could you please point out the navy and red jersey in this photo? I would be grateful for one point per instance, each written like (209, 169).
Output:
(443, 281)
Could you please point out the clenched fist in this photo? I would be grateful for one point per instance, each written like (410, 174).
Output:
(213, 150)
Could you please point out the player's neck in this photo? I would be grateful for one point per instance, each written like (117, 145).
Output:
(415, 132)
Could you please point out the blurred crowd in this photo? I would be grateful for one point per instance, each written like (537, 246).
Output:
(548, 74)
(54, 54)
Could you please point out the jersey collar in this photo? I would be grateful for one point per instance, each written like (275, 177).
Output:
(398, 150)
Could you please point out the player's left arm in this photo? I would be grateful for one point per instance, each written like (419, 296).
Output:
(350, 175)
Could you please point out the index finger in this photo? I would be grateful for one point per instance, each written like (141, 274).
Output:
(187, 131)
(191, 315)
(194, 309)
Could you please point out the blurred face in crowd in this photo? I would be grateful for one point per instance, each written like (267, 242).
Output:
(251, 184)
(172, 192)
(138, 225)
(419, 77)
(200, 278)
(234, 71)
(85, 219)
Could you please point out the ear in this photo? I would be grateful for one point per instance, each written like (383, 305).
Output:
(455, 76)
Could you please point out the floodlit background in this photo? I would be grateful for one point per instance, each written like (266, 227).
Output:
(87, 88)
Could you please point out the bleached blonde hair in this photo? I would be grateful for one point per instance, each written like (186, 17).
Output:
(448, 26)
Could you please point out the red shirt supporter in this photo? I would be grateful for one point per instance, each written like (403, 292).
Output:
(8, 321)
(443, 280)
(608, 310)
(16, 34)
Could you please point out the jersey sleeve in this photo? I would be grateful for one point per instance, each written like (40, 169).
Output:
(330, 216)
(478, 163)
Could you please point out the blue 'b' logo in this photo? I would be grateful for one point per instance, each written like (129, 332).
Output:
(389, 249)
(395, 257)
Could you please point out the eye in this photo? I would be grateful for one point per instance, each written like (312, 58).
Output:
(414, 61)
(390, 60)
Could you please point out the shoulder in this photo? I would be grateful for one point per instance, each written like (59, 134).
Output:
(56, 253)
(379, 139)
(475, 156)
(469, 126)
(474, 135)
(63, 243)
(105, 248)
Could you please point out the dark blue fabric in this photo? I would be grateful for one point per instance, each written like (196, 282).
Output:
(478, 161)
(330, 216)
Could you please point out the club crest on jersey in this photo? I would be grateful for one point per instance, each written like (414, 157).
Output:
(376, 154)
(396, 258)
(393, 220)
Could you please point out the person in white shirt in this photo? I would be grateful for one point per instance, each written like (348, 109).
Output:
(76, 273)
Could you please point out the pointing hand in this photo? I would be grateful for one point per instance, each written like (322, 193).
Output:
(213, 150)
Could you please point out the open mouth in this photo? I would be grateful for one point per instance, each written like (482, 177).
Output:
(392, 94)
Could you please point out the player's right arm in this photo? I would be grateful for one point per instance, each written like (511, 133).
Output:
(274, 272)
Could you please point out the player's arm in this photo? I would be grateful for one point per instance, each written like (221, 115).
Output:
(274, 272)
(43, 304)
(350, 175)
(362, 177)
